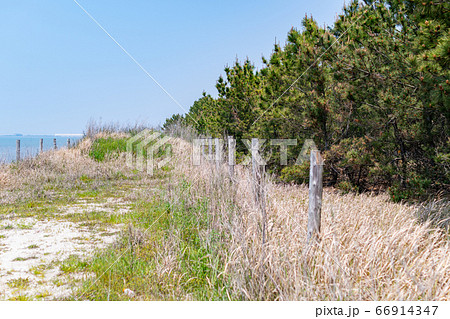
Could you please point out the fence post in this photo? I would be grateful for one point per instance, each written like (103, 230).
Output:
(42, 145)
(54, 144)
(258, 184)
(231, 155)
(68, 143)
(258, 188)
(315, 195)
(218, 145)
(18, 151)
(254, 150)
(210, 148)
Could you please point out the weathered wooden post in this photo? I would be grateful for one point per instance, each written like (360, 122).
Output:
(68, 143)
(54, 144)
(254, 150)
(231, 155)
(210, 148)
(18, 151)
(315, 195)
(42, 145)
(218, 146)
(259, 193)
(258, 184)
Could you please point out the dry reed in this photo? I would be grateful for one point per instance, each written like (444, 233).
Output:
(56, 171)
(370, 248)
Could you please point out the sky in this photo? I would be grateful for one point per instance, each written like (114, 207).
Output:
(59, 69)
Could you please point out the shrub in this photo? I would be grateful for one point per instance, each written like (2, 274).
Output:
(298, 174)
(347, 187)
(347, 165)
(414, 187)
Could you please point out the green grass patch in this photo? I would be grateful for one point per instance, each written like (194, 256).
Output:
(19, 283)
(103, 148)
(24, 226)
(42, 295)
(88, 193)
(39, 270)
(58, 282)
(73, 264)
(33, 204)
(20, 298)
(86, 179)
(141, 264)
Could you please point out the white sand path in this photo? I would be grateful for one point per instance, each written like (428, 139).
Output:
(30, 250)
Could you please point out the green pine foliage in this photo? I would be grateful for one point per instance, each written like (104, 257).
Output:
(371, 91)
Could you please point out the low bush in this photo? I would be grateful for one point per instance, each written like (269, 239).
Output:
(298, 174)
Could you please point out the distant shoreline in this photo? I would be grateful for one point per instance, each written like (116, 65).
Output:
(30, 145)
(69, 134)
(27, 135)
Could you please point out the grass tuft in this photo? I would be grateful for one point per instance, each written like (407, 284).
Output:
(19, 283)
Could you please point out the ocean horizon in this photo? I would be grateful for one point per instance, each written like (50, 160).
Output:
(30, 144)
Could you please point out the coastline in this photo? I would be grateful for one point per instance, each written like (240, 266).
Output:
(30, 144)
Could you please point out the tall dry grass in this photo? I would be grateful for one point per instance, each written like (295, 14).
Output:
(52, 172)
(369, 248)
(95, 128)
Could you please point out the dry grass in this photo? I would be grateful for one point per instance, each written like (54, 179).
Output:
(53, 172)
(370, 248)
(99, 129)
(5, 177)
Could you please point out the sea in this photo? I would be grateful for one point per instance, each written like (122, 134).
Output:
(30, 144)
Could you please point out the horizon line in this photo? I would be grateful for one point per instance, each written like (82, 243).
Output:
(53, 134)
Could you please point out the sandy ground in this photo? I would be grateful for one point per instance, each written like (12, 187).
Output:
(31, 251)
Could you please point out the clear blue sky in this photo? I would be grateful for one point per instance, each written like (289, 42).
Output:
(59, 69)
